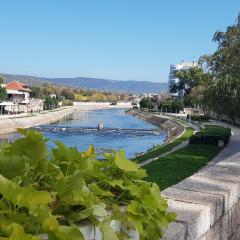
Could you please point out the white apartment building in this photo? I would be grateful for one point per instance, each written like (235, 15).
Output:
(172, 76)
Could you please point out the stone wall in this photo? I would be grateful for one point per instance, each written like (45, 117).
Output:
(207, 204)
(173, 128)
(12, 123)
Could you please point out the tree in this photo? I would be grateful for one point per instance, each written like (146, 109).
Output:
(36, 92)
(1, 80)
(191, 78)
(146, 103)
(196, 95)
(50, 102)
(226, 60)
(68, 94)
(3, 94)
(222, 95)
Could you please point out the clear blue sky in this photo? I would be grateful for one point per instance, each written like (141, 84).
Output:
(116, 39)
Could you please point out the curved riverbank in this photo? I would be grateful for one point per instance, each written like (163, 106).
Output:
(10, 123)
(172, 127)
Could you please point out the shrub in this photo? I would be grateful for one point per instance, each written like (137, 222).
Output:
(211, 134)
(53, 191)
(67, 102)
(199, 118)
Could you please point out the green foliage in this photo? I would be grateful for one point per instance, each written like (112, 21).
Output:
(1, 80)
(211, 134)
(190, 78)
(165, 147)
(50, 102)
(199, 118)
(67, 102)
(70, 94)
(146, 103)
(54, 191)
(171, 105)
(67, 94)
(3, 94)
(226, 60)
(222, 95)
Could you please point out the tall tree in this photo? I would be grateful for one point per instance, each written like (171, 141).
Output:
(223, 94)
(3, 94)
(191, 78)
(226, 60)
(1, 80)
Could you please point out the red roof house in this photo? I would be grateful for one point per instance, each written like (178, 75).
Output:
(15, 85)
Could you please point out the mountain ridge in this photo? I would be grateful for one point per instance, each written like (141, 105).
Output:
(130, 86)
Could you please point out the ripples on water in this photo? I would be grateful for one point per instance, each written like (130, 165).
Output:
(133, 141)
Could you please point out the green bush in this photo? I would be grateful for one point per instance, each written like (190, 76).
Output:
(146, 103)
(54, 191)
(211, 134)
(67, 102)
(200, 118)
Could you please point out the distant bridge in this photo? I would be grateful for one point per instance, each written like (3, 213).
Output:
(53, 128)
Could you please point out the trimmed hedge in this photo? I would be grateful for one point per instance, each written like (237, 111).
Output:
(199, 118)
(211, 134)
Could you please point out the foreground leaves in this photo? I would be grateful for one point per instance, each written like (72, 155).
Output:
(55, 192)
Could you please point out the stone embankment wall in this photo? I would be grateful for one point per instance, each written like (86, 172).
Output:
(12, 123)
(173, 128)
(207, 203)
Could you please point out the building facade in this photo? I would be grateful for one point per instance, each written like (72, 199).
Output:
(18, 99)
(172, 75)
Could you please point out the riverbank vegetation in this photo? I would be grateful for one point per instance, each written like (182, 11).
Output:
(159, 150)
(50, 193)
(214, 85)
(57, 95)
(183, 163)
(53, 94)
(174, 167)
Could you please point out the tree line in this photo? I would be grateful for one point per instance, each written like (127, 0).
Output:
(215, 84)
(54, 94)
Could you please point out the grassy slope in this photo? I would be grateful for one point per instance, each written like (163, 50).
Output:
(166, 147)
(173, 168)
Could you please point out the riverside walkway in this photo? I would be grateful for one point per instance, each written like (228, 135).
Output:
(232, 147)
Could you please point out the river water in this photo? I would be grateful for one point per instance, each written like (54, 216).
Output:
(133, 141)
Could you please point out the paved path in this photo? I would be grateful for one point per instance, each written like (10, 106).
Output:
(180, 146)
(232, 147)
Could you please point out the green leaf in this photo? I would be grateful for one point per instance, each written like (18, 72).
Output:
(107, 231)
(66, 233)
(90, 151)
(124, 164)
(99, 191)
(99, 210)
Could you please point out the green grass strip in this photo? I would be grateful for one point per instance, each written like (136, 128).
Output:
(171, 169)
(165, 147)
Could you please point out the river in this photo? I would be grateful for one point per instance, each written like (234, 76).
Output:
(133, 141)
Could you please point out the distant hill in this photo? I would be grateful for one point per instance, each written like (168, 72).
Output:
(93, 83)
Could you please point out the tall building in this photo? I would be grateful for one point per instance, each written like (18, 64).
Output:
(172, 76)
